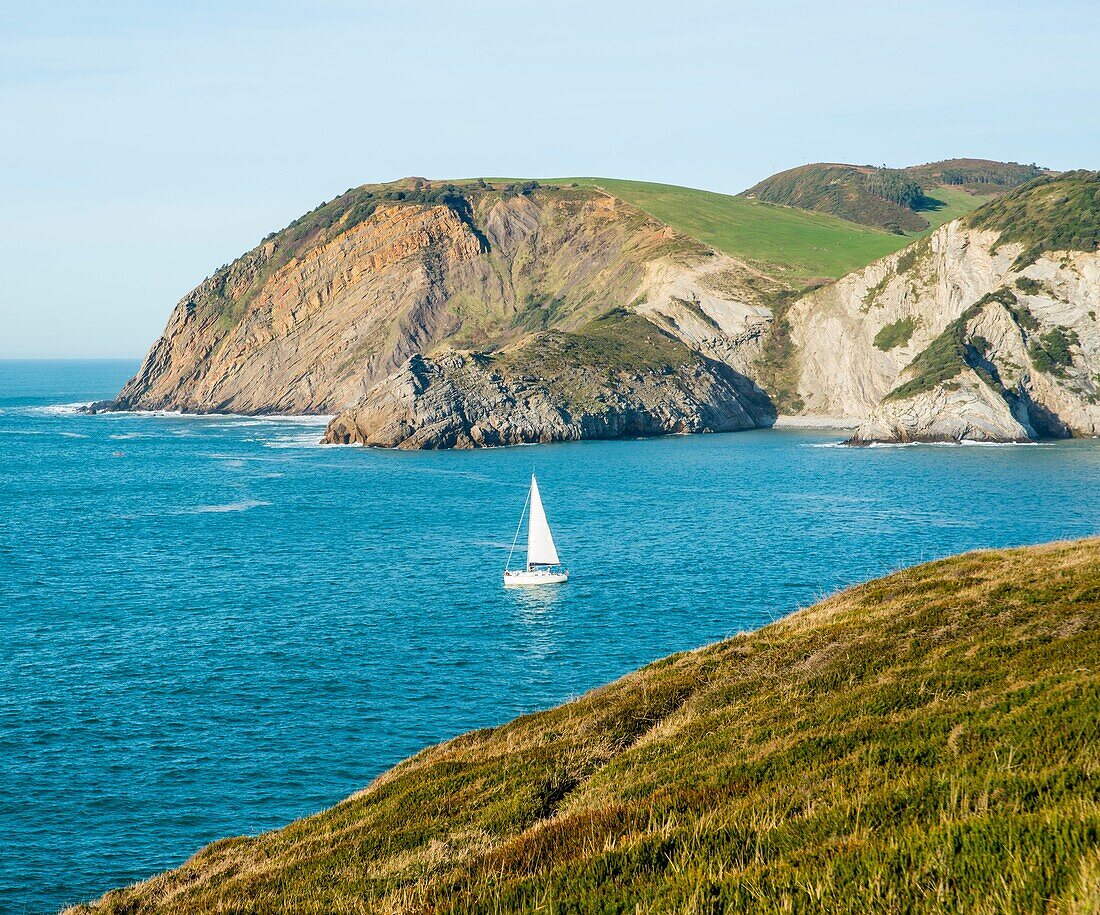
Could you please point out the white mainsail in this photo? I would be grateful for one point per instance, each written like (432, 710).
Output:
(540, 542)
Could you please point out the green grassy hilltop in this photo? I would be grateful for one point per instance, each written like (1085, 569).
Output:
(926, 742)
(793, 245)
(1059, 213)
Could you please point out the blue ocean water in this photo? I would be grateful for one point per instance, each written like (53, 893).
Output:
(211, 626)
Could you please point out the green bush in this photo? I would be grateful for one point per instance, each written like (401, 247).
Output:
(944, 358)
(1051, 353)
(989, 174)
(912, 255)
(896, 334)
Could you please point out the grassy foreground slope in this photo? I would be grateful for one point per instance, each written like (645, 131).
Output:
(926, 742)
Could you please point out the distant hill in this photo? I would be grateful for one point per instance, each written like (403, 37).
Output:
(925, 742)
(902, 200)
(975, 176)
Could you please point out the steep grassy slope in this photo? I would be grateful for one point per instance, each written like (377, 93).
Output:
(925, 742)
(792, 245)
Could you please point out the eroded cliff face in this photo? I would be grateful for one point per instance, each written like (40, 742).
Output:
(967, 410)
(1022, 364)
(311, 327)
(318, 330)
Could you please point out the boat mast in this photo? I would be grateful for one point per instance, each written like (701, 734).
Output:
(519, 527)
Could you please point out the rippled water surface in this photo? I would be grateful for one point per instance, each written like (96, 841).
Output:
(210, 626)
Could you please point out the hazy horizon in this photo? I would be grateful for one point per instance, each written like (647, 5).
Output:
(147, 145)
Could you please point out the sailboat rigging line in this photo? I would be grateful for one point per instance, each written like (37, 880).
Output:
(519, 527)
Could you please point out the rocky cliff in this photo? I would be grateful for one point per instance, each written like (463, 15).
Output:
(617, 376)
(444, 315)
(975, 332)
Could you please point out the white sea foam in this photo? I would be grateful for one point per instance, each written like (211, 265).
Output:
(238, 418)
(238, 422)
(302, 440)
(61, 409)
(1001, 444)
(242, 506)
(952, 444)
(927, 445)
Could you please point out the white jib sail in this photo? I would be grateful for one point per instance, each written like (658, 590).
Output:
(540, 542)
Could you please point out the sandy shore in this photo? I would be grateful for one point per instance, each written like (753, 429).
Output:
(813, 421)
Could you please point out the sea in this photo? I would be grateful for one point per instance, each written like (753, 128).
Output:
(213, 625)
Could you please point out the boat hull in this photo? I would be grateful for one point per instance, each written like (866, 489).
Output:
(533, 578)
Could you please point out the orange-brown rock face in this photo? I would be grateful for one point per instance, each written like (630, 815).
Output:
(319, 329)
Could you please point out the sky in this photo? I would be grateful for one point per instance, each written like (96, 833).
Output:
(143, 145)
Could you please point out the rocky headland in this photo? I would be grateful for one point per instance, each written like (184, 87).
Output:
(618, 376)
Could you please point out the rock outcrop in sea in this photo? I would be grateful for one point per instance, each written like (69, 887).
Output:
(556, 388)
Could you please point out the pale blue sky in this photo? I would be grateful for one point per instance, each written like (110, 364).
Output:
(146, 144)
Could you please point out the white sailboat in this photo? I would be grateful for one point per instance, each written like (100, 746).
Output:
(543, 564)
